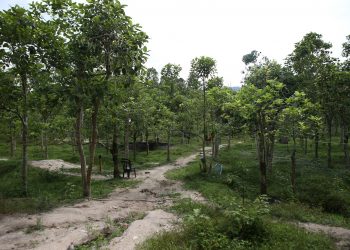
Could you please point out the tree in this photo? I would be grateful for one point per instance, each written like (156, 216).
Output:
(308, 59)
(261, 108)
(294, 119)
(25, 44)
(203, 67)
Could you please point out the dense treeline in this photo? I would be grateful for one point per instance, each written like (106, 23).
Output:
(74, 73)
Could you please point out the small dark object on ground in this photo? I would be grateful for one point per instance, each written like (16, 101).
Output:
(147, 172)
(127, 167)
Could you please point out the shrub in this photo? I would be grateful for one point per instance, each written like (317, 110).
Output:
(336, 203)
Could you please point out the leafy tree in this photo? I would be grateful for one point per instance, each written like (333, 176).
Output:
(203, 67)
(261, 108)
(24, 41)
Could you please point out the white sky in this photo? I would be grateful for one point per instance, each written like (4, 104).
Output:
(181, 30)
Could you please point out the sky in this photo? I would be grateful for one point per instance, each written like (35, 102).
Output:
(225, 30)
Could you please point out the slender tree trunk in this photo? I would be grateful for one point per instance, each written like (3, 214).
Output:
(270, 149)
(107, 144)
(134, 146)
(346, 145)
(92, 148)
(115, 152)
(13, 142)
(126, 139)
(46, 151)
(182, 137)
(263, 180)
(293, 163)
(42, 142)
(168, 147)
(80, 148)
(329, 149)
(293, 170)
(213, 137)
(204, 127)
(73, 141)
(217, 146)
(261, 146)
(316, 143)
(147, 143)
(24, 135)
(229, 141)
(305, 149)
(341, 134)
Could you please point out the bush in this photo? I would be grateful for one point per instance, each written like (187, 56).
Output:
(336, 203)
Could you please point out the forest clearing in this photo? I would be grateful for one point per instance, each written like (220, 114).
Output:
(100, 151)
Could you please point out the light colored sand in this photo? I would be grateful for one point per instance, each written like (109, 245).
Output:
(339, 234)
(60, 165)
(73, 224)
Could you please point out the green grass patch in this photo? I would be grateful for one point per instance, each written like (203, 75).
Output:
(112, 229)
(46, 189)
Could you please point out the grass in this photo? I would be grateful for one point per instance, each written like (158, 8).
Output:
(322, 196)
(48, 190)
(212, 229)
(112, 229)
(143, 161)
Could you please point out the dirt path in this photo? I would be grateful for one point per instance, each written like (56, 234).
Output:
(339, 234)
(75, 224)
(60, 166)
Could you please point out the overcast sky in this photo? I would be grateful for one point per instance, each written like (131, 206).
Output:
(181, 30)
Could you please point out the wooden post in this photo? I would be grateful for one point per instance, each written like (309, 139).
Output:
(100, 163)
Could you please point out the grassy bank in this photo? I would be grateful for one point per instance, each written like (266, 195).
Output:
(233, 220)
(48, 190)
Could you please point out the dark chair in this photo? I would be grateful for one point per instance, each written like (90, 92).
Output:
(127, 167)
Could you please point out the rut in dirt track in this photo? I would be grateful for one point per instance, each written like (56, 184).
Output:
(69, 225)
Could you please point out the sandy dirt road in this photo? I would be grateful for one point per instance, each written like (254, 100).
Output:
(72, 225)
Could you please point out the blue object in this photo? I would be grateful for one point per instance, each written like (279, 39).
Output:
(218, 168)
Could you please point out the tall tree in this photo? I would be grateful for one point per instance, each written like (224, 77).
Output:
(203, 67)
(25, 43)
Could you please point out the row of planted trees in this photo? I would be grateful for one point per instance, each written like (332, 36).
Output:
(74, 73)
(307, 98)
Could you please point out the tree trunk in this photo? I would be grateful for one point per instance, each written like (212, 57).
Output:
(346, 146)
(293, 170)
(204, 128)
(168, 148)
(13, 142)
(147, 143)
(229, 141)
(305, 148)
(263, 181)
(316, 143)
(329, 144)
(42, 142)
(261, 148)
(24, 135)
(107, 144)
(217, 146)
(126, 139)
(293, 164)
(342, 132)
(269, 153)
(79, 142)
(213, 138)
(134, 146)
(46, 151)
(114, 152)
(92, 148)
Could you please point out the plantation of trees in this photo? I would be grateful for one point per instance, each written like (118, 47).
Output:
(75, 90)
